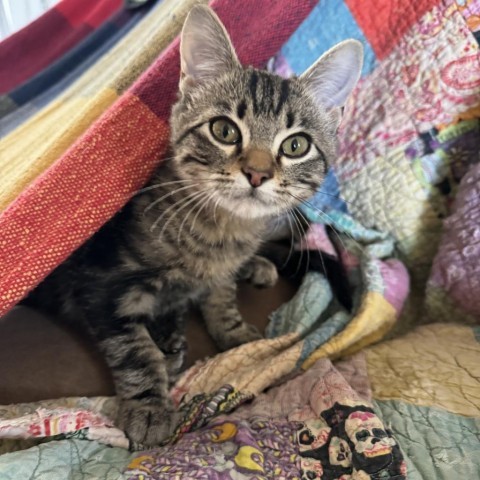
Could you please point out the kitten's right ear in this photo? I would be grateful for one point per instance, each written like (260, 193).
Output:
(205, 50)
(334, 75)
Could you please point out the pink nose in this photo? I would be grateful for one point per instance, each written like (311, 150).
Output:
(255, 177)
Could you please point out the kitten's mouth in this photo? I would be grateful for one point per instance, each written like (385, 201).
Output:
(249, 194)
(239, 199)
(257, 196)
(250, 203)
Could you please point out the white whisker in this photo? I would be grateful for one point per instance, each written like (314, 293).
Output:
(298, 226)
(187, 201)
(159, 185)
(204, 204)
(292, 242)
(171, 207)
(205, 194)
(321, 212)
(158, 200)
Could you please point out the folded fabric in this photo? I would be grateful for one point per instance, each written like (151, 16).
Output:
(36, 145)
(31, 49)
(309, 425)
(418, 392)
(82, 55)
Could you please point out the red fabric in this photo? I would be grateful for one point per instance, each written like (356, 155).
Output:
(31, 49)
(384, 22)
(91, 12)
(101, 171)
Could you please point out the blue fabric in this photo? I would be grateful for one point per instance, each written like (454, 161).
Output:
(329, 22)
(308, 304)
(335, 324)
(328, 196)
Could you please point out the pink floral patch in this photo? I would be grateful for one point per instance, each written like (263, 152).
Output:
(396, 281)
(317, 239)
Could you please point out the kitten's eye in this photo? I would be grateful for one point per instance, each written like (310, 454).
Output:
(225, 131)
(295, 146)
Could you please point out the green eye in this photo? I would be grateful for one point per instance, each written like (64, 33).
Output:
(225, 131)
(295, 146)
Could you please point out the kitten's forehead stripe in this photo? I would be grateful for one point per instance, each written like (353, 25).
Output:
(290, 119)
(241, 109)
(284, 92)
(270, 93)
(267, 93)
(253, 83)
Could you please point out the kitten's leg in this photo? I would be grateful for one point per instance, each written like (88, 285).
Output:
(139, 370)
(175, 351)
(259, 271)
(168, 332)
(223, 320)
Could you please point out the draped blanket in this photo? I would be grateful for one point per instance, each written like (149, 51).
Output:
(399, 212)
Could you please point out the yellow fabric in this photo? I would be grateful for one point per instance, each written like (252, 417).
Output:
(249, 368)
(375, 317)
(31, 158)
(429, 367)
(33, 147)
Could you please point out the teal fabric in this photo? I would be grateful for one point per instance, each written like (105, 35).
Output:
(437, 445)
(303, 311)
(311, 313)
(66, 459)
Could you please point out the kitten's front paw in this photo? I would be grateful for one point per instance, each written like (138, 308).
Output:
(245, 333)
(264, 273)
(148, 424)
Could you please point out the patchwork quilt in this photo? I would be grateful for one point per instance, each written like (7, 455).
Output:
(405, 408)
(389, 389)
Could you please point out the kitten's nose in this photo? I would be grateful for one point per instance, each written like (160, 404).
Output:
(257, 166)
(255, 177)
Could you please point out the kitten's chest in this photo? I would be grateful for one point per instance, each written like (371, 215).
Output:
(204, 249)
(212, 265)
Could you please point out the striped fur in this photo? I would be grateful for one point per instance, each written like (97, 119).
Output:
(193, 231)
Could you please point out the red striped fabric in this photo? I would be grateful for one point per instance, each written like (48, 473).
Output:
(92, 15)
(102, 170)
(31, 49)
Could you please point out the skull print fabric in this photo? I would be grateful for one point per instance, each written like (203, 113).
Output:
(348, 442)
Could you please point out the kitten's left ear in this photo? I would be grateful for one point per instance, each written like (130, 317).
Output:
(334, 75)
(205, 49)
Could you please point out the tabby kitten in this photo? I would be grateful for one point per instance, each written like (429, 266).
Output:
(246, 146)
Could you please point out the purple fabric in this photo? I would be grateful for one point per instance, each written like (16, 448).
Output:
(456, 269)
(304, 428)
(227, 450)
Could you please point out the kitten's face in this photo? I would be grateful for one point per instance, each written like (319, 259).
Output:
(255, 143)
